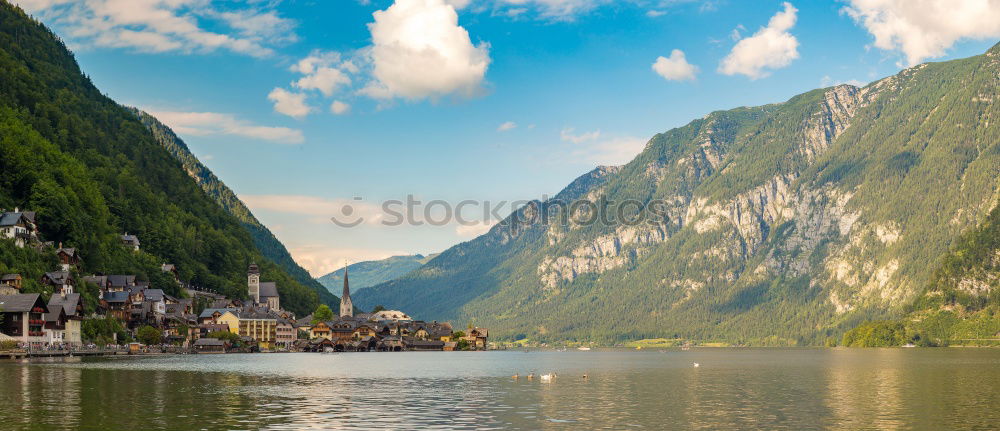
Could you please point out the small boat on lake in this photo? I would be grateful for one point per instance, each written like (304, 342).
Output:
(583, 349)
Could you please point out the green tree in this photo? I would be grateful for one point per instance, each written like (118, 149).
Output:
(322, 314)
(149, 335)
(378, 308)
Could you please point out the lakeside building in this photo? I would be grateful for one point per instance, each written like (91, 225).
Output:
(259, 321)
(23, 318)
(63, 322)
(346, 306)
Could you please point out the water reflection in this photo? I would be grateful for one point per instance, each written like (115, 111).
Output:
(733, 389)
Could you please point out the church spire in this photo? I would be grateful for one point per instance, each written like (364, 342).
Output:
(346, 307)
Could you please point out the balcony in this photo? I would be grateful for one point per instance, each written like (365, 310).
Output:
(36, 322)
(36, 333)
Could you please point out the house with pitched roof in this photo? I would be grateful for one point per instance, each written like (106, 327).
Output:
(130, 241)
(19, 226)
(10, 284)
(61, 281)
(23, 318)
(65, 318)
(68, 257)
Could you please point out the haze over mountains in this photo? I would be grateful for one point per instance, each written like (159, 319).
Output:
(369, 273)
(787, 223)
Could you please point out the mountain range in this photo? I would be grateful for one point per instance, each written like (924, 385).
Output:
(780, 224)
(369, 273)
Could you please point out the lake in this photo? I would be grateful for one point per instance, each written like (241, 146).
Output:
(795, 389)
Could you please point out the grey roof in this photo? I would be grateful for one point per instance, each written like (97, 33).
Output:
(12, 218)
(68, 250)
(208, 312)
(9, 277)
(256, 314)
(121, 280)
(53, 314)
(114, 297)
(59, 277)
(305, 321)
(130, 239)
(99, 280)
(175, 308)
(268, 289)
(168, 267)
(20, 303)
(153, 294)
(209, 342)
(68, 303)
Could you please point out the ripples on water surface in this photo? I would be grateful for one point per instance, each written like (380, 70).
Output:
(793, 389)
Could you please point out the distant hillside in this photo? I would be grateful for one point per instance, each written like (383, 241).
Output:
(369, 273)
(265, 241)
(786, 223)
(92, 171)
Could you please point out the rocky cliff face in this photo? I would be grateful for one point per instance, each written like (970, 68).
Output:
(784, 223)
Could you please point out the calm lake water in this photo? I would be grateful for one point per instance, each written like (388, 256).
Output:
(795, 389)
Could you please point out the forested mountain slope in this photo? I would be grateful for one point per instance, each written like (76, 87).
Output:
(92, 171)
(265, 241)
(962, 301)
(787, 223)
(369, 273)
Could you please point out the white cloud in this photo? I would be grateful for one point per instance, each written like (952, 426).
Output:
(419, 51)
(771, 47)
(558, 9)
(339, 108)
(737, 33)
(267, 24)
(214, 123)
(314, 60)
(166, 25)
(568, 134)
(675, 68)
(459, 4)
(652, 13)
(288, 103)
(325, 72)
(324, 79)
(924, 29)
(39, 5)
(510, 125)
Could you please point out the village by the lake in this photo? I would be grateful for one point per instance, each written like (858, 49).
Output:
(143, 319)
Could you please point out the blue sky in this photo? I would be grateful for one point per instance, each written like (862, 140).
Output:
(302, 105)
